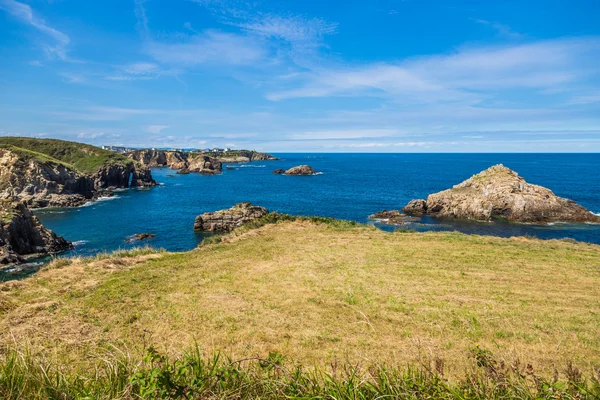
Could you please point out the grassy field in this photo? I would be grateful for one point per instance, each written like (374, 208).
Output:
(321, 296)
(82, 157)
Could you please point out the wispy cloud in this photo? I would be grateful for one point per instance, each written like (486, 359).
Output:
(294, 28)
(470, 75)
(501, 29)
(23, 12)
(210, 47)
(156, 128)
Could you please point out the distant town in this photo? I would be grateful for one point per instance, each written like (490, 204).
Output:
(122, 150)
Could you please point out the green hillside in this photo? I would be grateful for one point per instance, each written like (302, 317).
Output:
(82, 157)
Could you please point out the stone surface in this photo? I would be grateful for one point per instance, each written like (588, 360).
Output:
(393, 217)
(227, 220)
(21, 234)
(44, 183)
(204, 165)
(301, 170)
(139, 236)
(184, 163)
(416, 207)
(500, 193)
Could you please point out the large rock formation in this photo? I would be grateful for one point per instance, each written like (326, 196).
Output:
(500, 193)
(227, 220)
(21, 234)
(300, 170)
(237, 156)
(203, 165)
(42, 180)
(42, 183)
(160, 158)
(184, 163)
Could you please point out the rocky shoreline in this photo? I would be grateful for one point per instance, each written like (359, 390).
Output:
(22, 235)
(499, 193)
(187, 162)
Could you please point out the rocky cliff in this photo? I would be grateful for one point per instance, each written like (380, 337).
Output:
(41, 180)
(184, 163)
(21, 234)
(500, 193)
(237, 156)
(227, 220)
(160, 158)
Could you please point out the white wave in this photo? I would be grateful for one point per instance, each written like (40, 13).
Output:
(79, 243)
(598, 214)
(252, 166)
(318, 173)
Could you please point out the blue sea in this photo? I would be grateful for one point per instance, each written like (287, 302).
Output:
(349, 186)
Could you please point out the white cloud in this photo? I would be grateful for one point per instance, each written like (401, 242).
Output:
(90, 135)
(156, 128)
(294, 28)
(468, 76)
(210, 47)
(501, 29)
(25, 13)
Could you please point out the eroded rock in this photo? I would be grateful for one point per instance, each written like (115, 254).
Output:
(227, 220)
(300, 170)
(500, 193)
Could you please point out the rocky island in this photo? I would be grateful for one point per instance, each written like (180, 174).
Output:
(22, 235)
(57, 173)
(299, 170)
(500, 193)
(228, 220)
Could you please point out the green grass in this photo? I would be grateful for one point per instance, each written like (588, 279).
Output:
(192, 375)
(82, 157)
(444, 315)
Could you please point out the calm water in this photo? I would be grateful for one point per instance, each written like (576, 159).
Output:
(351, 186)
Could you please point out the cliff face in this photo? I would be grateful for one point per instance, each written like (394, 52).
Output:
(237, 156)
(123, 176)
(42, 181)
(182, 162)
(500, 193)
(160, 158)
(22, 234)
(203, 165)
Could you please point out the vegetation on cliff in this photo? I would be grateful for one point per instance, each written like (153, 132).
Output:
(84, 158)
(319, 307)
(49, 172)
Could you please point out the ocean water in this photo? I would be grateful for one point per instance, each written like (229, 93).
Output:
(349, 186)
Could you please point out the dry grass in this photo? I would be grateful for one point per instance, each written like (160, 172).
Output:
(318, 294)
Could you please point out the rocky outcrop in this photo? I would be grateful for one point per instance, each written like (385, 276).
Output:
(160, 158)
(42, 183)
(139, 236)
(57, 173)
(393, 217)
(227, 220)
(500, 193)
(300, 170)
(203, 165)
(184, 163)
(416, 207)
(123, 176)
(238, 156)
(279, 171)
(21, 234)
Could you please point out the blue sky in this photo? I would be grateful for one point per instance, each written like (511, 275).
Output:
(330, 76)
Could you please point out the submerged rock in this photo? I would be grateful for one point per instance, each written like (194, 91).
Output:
(22, 234)
(139, 236)
(227, 220)
(393, 217)
(300, 170)
(279, 171)
(500, 193)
